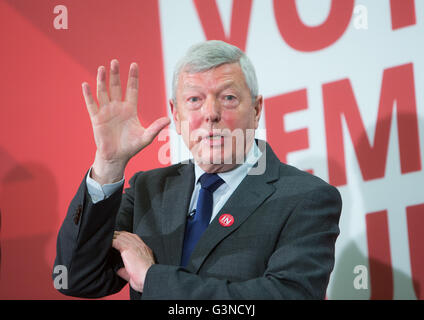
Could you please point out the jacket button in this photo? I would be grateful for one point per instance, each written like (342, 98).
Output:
(77, 214)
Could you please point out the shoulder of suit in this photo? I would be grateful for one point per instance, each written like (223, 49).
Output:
(303, 180)
(159, 173)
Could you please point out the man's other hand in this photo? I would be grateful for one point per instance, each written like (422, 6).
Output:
(137, 258)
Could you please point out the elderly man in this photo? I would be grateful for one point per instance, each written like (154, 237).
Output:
(210, 228)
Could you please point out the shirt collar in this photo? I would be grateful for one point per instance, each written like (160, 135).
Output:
(233, 177)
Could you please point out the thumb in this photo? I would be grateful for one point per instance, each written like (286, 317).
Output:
(122, 272)
(153, 130)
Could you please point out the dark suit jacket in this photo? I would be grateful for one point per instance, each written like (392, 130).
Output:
(280, 246)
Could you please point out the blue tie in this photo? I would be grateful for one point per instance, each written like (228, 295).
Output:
(198, 223)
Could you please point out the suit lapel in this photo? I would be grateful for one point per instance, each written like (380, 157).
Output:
(175, 205)
(252, 192)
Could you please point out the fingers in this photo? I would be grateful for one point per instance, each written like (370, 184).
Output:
(102, 95)
(125, 234)
(131, 94)
(89, 100)
(115, 81)
(115, 89)
(123, 239)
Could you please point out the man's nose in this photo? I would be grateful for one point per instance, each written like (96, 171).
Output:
(211, 110)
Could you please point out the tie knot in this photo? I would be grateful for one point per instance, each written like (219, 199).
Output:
(210, 181)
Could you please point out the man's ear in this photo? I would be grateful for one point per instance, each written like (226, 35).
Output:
(258, 109)
(175, 115)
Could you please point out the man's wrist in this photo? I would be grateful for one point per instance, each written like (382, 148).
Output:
(99, 192)
(143, 282)
(107, 172)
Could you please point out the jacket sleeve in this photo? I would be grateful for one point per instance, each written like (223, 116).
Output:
(84, 244)
(299, 267)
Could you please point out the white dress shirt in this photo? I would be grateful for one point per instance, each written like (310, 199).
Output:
(231, 178)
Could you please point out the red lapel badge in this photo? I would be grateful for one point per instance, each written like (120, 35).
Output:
(226, 220)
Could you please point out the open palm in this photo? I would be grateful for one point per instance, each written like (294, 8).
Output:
(118, 132)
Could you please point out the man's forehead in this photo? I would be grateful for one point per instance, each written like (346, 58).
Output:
(222, 76)
(189, 83)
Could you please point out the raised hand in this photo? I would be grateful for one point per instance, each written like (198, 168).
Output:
(118, 133)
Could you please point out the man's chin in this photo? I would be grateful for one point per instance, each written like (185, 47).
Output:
(213, 156)
(215, 167)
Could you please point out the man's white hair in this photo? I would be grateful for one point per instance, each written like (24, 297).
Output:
(211, 54)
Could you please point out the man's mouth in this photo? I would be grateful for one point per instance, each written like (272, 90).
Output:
(213, 139)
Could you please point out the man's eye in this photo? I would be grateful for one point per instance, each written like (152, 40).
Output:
(193, 99)
(229, 100)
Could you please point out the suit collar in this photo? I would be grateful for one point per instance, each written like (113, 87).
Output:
(249, 195)
(251, 192)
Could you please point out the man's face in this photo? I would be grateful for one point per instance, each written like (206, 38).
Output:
(216, 116)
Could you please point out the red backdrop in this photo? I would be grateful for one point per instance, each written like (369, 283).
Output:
(46, 144)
